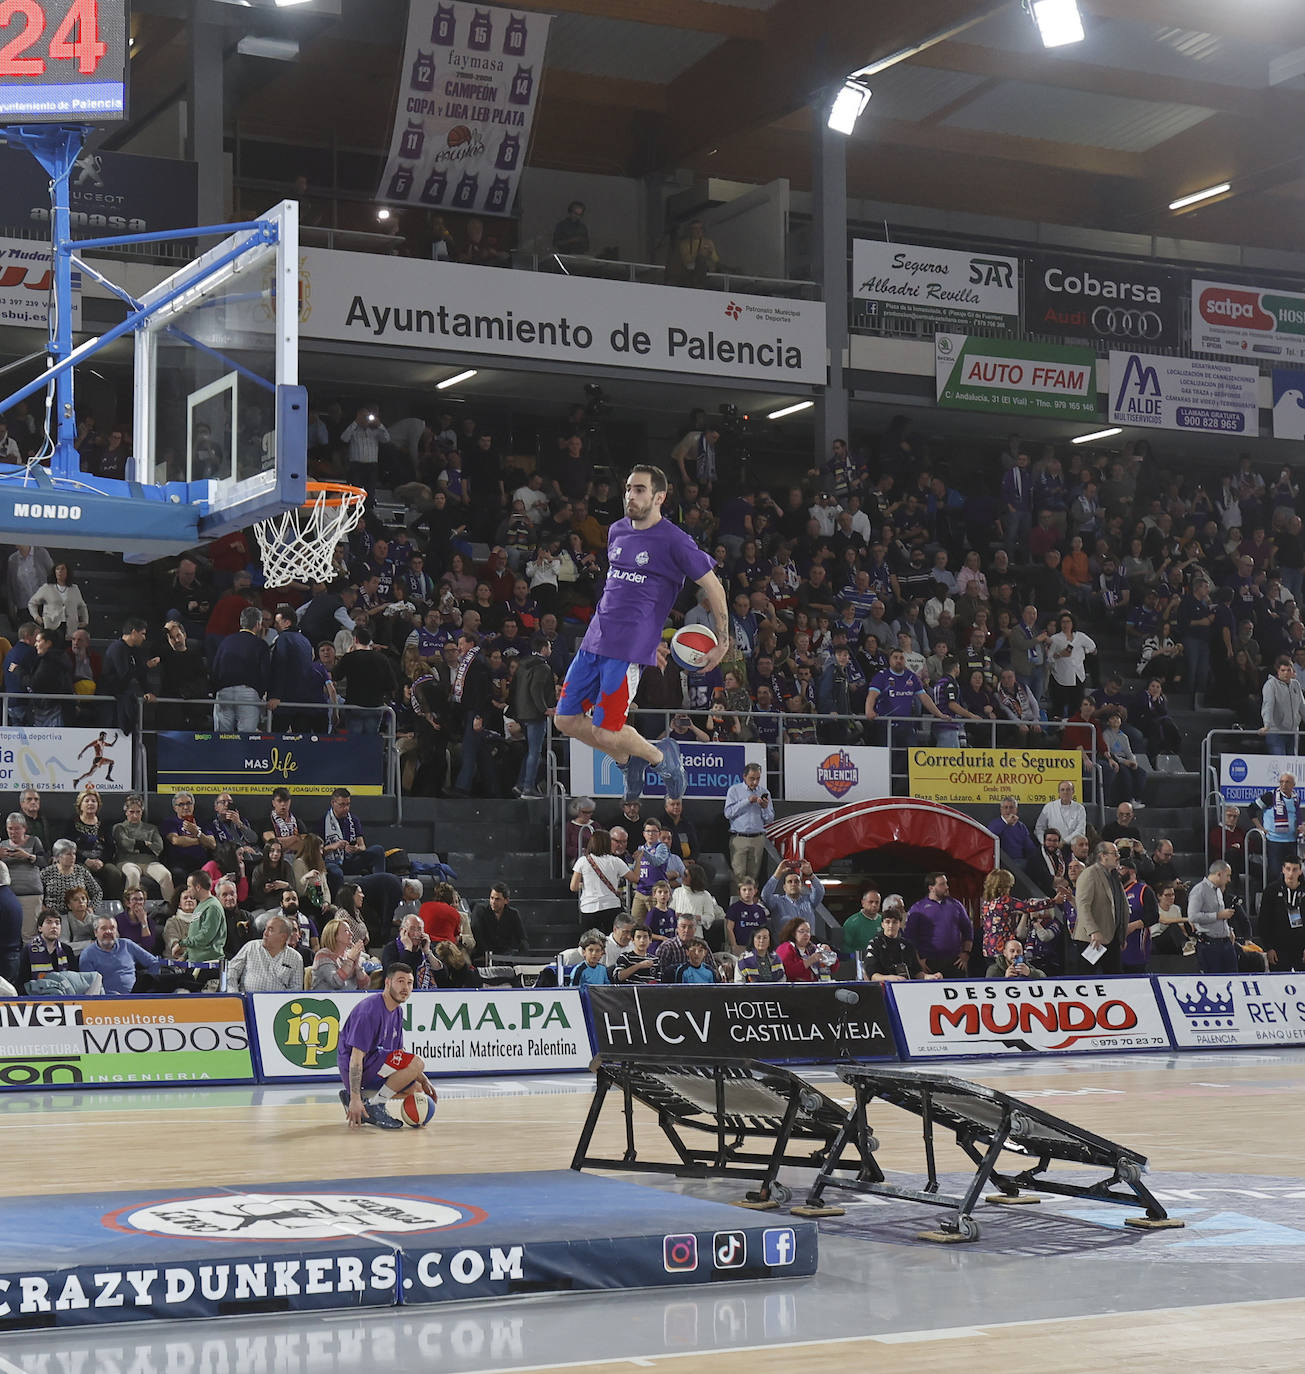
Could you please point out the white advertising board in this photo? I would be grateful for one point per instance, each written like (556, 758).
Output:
(452, 307)
(836, 772)
(1028, 1016)
(1209, 1011)
(1184, 393)
(500, 1030)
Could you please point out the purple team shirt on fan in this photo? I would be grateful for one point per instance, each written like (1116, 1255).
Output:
(647, 569)
(369, 1027)
(897, 693)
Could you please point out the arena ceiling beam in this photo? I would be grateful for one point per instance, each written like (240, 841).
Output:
(1278, 25)
(810, 45)
(694, 16)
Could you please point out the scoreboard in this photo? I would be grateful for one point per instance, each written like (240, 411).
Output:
(63, 61)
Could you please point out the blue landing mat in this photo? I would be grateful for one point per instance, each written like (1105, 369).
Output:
(88, 1258)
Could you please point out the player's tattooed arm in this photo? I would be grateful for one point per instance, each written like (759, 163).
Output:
(355, 1074)
(720, 617)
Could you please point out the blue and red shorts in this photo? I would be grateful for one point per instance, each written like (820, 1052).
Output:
(606, 684)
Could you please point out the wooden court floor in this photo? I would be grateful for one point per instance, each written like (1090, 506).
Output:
(1210, 1114)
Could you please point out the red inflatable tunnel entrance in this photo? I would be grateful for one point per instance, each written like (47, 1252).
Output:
(927, 833)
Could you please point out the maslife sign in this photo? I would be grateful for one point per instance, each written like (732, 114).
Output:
(1244, 777)
(1248, 321)
(710, 770)
(841, 773)
(451, 307)
(1210, 1012)
(988, 775)
(778, 1022)
(467, 92)
(904, 281)
(77, 1043)
(64, 759)
(486, 1031)
(313, 765)
(1184, 393)
(1029, 1015)
(1014, 377)
(1129, 303)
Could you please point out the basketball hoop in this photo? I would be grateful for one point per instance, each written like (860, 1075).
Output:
(298, 544)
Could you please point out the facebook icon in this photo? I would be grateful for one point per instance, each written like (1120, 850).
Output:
(778, 1246)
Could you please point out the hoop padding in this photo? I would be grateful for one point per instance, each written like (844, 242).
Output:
(298, 544)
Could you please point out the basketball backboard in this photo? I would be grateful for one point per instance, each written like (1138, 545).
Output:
(220, 426)
(216, 374)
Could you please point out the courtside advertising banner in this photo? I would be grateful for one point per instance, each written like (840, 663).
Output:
(312, 765)
(66, 759)
(836, 773)
(467, 92)
(1289, 403)
(773, 1021)
(988, 775)
(710, 770)
(1184, 393)
(1208, 1012)
(452, 307)
(1015, 377)
(1127, 303)
(1248, 321)
(27, 282)
(904, 281)
(81, 1042)
(1244, 777)
(1028, 1016)
(501, 1030)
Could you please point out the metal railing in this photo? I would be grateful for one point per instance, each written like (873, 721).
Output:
(613, 269)
(330, 713)
(899, 734)
(101, 712)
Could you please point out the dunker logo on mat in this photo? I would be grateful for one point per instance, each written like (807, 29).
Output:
(293, 1216)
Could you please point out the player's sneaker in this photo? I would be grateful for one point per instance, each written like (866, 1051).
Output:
(671, 769)
(378, 1116)
(634, 770)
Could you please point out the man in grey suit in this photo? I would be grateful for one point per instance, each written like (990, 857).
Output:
(1102, 911)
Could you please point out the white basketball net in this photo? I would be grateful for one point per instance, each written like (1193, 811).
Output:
(298, 544)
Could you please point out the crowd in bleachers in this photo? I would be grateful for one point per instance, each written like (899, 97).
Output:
(889, 581)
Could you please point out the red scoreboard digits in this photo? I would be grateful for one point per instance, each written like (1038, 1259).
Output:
(63, 61)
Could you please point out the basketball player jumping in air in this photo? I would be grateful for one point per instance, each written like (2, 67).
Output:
(649, 559)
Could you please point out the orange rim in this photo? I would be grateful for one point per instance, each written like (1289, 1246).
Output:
(336, 494)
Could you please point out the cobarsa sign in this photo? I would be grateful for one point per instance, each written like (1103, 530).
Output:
(1082, 283)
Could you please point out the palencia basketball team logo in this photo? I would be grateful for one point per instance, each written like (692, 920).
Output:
(294, 1216)
(838, 774)
(308, 1032)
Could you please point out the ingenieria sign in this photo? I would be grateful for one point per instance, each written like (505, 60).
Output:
(1025, 1016)
(70, 1043)
(359, 297)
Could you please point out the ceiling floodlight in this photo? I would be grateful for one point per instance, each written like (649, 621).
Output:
(790, 410)
(848, 105)
(455, 379)
(1058, 21)
(1210, 191)
(1099, 434)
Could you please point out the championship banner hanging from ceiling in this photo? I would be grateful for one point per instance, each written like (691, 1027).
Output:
(467, 95)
